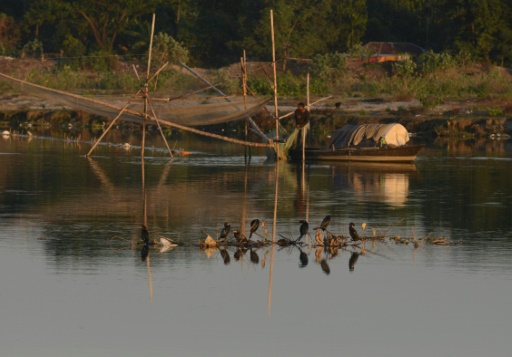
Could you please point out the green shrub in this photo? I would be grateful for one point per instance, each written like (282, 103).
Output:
(431, 62)
(405, 69)
(495, 112)
(167, 49)
(33, 48)
(328, 64)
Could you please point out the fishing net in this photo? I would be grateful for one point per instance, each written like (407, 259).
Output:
(186, 112)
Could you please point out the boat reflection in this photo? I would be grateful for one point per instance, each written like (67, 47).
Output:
(375, 182)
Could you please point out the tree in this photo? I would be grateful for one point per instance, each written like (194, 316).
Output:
(106, 18)
(301, 29)
(43, 12)
(353, 17)
(9, 34)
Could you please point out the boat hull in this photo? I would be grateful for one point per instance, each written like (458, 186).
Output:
(406, 153)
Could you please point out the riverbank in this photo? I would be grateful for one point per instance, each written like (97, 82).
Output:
(469, 117)
(462, 118)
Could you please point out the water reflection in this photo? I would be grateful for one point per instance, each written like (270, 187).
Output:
(101, 197)
(353, 260)
(83, 277)
(474, 147)
(375, 182)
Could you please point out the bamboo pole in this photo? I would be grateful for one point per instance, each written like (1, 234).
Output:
(244, 89)
(150, 280)
(150, 46)
(274, 231)
(145, 89)
(312, 104)
(274, 69)
(271, 273)
(305, 127)
(160, 129)
(210, 135)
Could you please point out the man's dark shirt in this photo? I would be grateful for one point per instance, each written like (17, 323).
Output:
(301, 118)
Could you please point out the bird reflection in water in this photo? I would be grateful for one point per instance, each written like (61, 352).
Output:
(240, 252)
(325, 267)
(353, 260)
(144, 252)
(144, 235)
(254, 257)
(303, 258)
(225, 255)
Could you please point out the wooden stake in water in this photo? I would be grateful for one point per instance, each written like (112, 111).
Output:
(274, 229)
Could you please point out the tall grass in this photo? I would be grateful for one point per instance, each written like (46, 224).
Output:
(430, 79)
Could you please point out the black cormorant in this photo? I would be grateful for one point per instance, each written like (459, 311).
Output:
(255, 223)
(144, 234)
(225, 231)
(239, 236)
(304, 227)
(325, 223)
(353, 232)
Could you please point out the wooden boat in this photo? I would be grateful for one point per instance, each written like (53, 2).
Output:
(363, 143)
(406, 153)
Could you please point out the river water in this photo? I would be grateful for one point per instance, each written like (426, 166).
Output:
(73, 285)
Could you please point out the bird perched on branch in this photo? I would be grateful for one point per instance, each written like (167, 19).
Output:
(144, 234)
(225, 231)
(304, 227)
(325, 223)
(353, 233)
(255, 223)
(239, 236)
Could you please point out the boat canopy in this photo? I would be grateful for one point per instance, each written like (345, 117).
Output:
(369, 135)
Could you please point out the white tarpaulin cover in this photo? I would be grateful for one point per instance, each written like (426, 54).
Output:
(369, 135)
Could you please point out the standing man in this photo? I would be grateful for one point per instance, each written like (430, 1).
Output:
(301, 116)
(301, 120)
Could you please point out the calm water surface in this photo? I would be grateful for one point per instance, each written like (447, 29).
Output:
(68, 289)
